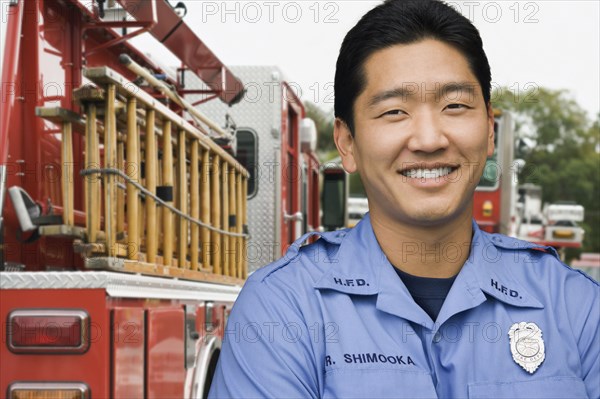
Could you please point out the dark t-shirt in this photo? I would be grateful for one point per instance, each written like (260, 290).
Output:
(428, 293)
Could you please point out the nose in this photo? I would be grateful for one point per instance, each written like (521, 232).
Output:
(428, 134)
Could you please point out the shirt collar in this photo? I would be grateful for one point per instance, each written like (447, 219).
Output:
(491, 259)
(361, 268)
(359, 258)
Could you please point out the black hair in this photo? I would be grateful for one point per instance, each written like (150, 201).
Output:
(404, 22)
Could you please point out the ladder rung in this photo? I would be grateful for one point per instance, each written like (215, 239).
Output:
(58, 115)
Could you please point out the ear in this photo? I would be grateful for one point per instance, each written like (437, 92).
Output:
(344, 141)
(490, 133)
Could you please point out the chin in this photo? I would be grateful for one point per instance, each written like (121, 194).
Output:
(429, 217)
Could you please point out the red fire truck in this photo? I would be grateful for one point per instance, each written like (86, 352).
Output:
(126, 221)
(500, 205)
(494, 196)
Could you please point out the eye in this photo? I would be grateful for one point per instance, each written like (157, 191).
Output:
(393, 112)
(457, 106)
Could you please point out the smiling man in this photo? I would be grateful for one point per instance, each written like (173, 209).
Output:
(415, 301)
(418, 133)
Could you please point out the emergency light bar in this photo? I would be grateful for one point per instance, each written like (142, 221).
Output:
(566, 212)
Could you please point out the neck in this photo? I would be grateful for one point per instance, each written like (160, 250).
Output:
(425, 251)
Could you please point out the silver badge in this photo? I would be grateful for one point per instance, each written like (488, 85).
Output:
(527, 345)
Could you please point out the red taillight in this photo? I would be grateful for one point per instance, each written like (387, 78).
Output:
(48, 331)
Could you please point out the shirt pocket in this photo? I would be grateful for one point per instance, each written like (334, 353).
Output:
(547, 388)
(378, 383)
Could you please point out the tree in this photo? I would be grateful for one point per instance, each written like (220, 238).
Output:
(324, 123)
(561, 151)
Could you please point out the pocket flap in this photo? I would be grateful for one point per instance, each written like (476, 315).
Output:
(378, 383)
(557, 387)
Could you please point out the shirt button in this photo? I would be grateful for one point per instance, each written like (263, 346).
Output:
(437, 337)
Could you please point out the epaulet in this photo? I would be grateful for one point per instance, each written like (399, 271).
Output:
(505, 242)
(332, 237)
(512, 243)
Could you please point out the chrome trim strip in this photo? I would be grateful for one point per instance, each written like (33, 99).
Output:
(196, 377)
(2, 187)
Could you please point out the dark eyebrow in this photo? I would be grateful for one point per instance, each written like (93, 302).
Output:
(461, 87)
(393, 93)
(412, 90)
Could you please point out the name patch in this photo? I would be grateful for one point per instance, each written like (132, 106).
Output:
(366, 358)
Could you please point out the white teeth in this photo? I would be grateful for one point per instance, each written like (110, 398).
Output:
(427, 173)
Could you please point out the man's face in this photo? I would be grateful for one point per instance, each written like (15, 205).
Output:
(422, 134)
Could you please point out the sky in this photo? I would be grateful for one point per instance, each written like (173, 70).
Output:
(553, 44)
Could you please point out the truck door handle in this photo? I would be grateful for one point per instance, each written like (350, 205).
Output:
(296, 217)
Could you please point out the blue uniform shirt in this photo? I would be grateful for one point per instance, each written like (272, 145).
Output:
(334, 320)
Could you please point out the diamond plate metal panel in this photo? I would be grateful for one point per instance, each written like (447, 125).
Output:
(52, 280)
(259, 111)
(120, 285)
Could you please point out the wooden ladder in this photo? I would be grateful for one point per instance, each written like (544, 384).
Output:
(161, 198)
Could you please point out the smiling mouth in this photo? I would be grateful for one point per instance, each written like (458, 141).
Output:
(422, 173)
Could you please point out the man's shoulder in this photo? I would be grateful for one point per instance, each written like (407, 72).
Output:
(539, 262)
(289, 282)
(303, 261)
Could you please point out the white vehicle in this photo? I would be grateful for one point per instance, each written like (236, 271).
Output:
(357, 208)
(561, 223)
(551, 224)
